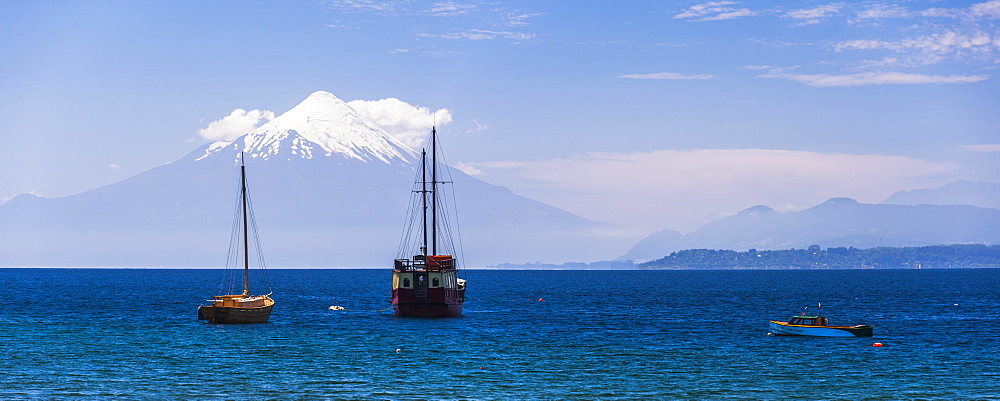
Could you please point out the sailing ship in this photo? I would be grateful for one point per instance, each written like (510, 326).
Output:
(427, 284)
(240, 308)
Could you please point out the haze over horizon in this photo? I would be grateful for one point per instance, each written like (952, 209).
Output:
(648, 116)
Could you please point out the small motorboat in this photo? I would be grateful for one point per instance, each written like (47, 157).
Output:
(817, 326)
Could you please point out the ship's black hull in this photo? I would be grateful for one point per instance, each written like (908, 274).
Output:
(428, 309)
(234, 315)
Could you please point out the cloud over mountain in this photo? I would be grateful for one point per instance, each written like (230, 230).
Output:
(406, 122)
(237, 123)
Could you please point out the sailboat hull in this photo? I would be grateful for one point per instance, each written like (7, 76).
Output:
(234, 315)
(235, 309)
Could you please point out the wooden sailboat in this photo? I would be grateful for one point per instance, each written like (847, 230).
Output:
(427, 285)
(239, 308)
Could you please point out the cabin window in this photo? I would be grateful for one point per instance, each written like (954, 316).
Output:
(435, 282)
(406, 283)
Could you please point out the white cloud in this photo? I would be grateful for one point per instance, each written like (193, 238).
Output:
(114, 166)
(985, 10)
(876, 78)
(234, 125)
(481, 34)
(814, 15)
(989, 9)
(363, 5)
(480, 128)
(931, 49)
(714, 11)
(982, 148)
(518, 18)
(450, 9)
(881, 11)
(408, 123)
(666, 75)
(680, 188)
(467, 169)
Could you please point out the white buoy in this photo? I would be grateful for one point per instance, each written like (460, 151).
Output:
(398, 350)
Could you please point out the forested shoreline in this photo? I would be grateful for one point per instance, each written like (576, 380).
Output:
(925, 257)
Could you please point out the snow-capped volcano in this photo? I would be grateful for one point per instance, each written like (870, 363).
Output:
(321, 126)
(329, 188)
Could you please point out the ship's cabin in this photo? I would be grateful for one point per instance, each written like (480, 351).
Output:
(426, 262)
(431, 271)
(808, 320)
(241, 301)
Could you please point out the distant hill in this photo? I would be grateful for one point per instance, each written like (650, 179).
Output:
(653, 245)
(957, 193)
(927, 257)
(838, 222)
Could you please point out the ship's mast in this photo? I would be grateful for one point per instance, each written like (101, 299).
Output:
(423, 197)
(246, 245)
(434, 237)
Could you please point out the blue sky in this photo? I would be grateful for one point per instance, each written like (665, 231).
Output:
(647, 114)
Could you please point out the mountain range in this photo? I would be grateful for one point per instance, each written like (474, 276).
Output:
(982, 194)
(328, 188)
(838, 222)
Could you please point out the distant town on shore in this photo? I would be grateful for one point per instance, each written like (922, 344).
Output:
(813, 257)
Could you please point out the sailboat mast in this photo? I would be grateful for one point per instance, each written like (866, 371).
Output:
(434, 181)
(246, 245)
(423, 197)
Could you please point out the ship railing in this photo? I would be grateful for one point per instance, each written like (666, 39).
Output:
(408, 264)
(425, 263)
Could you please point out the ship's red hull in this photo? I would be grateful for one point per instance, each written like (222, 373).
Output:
(439, 302)
(428, 310)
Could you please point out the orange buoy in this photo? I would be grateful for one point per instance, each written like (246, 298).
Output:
(877, 345)
(541, 299)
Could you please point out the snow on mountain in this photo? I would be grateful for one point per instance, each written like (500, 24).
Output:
(322, 125)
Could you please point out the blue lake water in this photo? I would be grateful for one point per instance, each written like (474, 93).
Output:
(123, 333)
